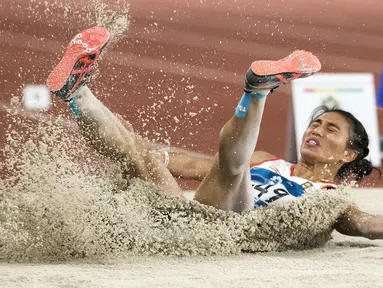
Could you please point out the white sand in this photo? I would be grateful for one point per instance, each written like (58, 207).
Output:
(343, 262)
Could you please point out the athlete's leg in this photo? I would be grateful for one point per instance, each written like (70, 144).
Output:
(227, 186)
(110, 137)
(98, 124)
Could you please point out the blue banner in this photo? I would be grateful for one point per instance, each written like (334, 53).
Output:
(379, 97)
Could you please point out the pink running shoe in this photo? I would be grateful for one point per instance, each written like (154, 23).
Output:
(73, 71)
(270, 74)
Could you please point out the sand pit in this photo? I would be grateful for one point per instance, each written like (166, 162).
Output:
(343, 262)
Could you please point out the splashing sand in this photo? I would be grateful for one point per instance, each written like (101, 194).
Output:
(60, 201)
(61, 205)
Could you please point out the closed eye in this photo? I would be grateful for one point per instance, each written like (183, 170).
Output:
(333, 128)
(315, 124)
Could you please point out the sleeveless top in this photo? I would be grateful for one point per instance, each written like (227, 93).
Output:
(272, 182)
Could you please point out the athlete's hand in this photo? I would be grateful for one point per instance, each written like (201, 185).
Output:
(355, 222)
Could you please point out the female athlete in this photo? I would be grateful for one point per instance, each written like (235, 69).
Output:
(334, 145)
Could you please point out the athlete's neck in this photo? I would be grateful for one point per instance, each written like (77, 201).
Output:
(319, 172)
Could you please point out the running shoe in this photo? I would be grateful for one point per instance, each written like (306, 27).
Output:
(271, 74)
(73, 71)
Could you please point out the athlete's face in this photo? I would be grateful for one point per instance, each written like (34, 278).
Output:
(326, 139)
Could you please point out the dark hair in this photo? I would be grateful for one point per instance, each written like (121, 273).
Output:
(358, 141)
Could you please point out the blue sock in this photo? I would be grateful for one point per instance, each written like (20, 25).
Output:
(244, 103)
(73, 107)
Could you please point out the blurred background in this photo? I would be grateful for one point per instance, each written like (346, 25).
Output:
(177, 75)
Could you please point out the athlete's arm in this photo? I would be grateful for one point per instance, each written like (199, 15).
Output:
(182, 164)
(188, 166)
(355, 222)
(195, 167)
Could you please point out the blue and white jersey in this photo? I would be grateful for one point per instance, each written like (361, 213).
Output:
(273, 182)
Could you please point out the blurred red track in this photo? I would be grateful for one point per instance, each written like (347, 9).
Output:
(193, 53)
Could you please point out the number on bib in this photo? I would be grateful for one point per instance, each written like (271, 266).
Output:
(270, 193)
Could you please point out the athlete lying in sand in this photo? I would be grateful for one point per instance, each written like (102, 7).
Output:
(334, 145)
